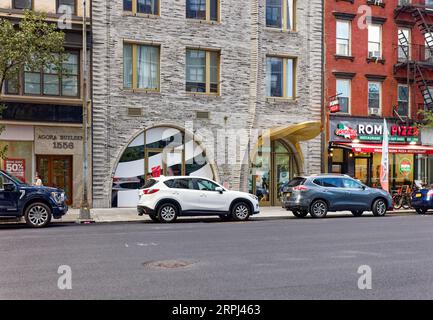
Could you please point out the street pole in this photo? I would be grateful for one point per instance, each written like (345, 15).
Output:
(84, 208)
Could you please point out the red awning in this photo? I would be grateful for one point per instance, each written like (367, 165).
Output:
(393, 148)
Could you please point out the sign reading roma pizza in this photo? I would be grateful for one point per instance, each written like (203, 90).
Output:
(347, 129)
(16, 167)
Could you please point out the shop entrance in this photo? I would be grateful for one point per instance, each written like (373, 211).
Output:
(56, 171)
(274, 166)
(363, 169)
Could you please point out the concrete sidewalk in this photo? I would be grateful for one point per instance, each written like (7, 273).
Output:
(130, 215)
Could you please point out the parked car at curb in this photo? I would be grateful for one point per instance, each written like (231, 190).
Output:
(422, 200)
(166, 198)
(318, 194)
(38, 205)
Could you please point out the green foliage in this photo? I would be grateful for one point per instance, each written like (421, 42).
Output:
(33, 43)
(427, 118)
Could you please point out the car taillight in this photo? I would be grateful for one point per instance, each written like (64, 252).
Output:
(150, 191)
(300, 188)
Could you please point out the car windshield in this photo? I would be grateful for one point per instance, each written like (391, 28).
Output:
(13, 178)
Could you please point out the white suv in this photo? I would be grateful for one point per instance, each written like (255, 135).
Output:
(166, 198)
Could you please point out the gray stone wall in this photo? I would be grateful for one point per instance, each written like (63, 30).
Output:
(244, 42)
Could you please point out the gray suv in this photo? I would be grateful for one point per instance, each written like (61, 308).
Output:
(319, 194)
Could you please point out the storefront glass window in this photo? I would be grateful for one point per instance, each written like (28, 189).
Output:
(20, 155)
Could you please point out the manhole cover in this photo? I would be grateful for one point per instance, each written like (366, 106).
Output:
(168, 264)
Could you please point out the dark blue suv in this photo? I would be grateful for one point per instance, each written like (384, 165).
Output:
(37, 204)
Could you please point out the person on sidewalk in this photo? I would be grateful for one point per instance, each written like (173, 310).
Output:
(38, 181)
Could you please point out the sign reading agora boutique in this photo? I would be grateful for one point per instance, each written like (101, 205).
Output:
(371, 130)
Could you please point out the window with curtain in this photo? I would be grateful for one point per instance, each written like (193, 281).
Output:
(198, 64)
(343, 90)
(140, 66)
(69, 4)
(280, 77)
(196, 9)
(142, 6)
(343, 38)
(280, 14)
(374, 41)
(403, 100)
(374, 91)
(22, 4)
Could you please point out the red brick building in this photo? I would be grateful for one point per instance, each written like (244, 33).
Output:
(379, 61)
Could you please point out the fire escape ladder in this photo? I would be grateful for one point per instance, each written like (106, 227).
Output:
(403, 43)
(424, 27)
(423, 86)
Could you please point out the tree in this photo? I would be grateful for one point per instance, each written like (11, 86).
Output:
(427, 118)
(33, 43)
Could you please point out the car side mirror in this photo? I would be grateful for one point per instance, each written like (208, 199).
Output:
(9, 187)
(364, 187)
(219, 189)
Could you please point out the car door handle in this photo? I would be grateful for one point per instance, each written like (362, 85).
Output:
(202, 195)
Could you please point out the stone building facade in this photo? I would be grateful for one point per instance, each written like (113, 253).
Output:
(261, 127)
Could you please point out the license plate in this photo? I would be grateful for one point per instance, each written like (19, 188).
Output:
(418, 195)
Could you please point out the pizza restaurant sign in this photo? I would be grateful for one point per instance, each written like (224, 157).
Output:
(369, 130)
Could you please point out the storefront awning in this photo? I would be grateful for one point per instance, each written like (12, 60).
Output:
(393, 148)
(298, 132)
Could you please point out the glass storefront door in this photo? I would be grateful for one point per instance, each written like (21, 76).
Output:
(282, 173)
(56, 172)
(362, 170)
(273, 166)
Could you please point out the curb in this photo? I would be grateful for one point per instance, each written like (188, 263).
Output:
(255, 218)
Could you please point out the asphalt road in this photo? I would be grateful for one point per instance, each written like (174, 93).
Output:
(273, 259)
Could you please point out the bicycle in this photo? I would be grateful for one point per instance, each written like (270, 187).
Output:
(403, 198)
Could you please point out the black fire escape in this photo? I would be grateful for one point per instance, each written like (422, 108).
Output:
(416, 65)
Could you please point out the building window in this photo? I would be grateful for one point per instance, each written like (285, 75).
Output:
(403, 100)
(49, 81)
(202, 71)
(141, 6)
(403, 49)
(280, 77)
(202, 9)
(343, 38)
(374, 97)
(280, 14)
(343, 90)
(374, 41)
(66, 6)
(140, 67)
(22, 4)
(405, 2)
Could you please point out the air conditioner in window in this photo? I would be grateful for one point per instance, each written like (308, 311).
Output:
(374, 54)
(375, 111)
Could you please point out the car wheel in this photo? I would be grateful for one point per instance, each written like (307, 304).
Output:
(319, 209)
(300, 214)
(241, 211)
(153, 217)
(357, 213)
(421, 211)
(379, 208)
(37, 215)
(167, 213)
